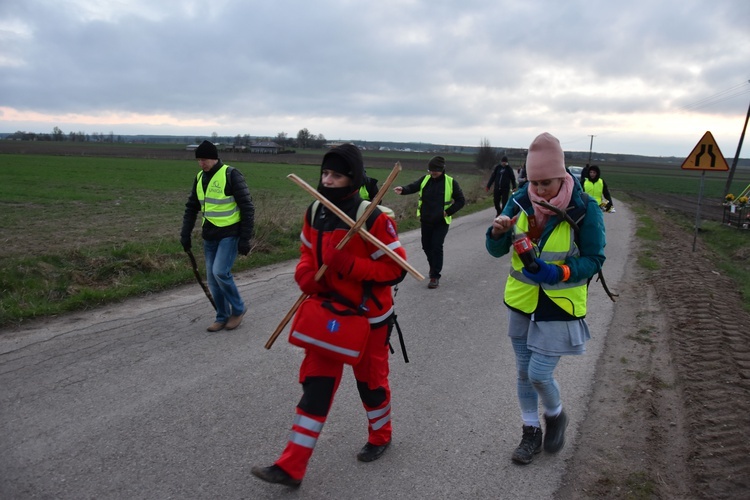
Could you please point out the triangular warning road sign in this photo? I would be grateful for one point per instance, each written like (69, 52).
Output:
(706, 155)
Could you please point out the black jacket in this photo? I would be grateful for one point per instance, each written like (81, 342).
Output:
(502, 178)
(235, 186)
(433, 198)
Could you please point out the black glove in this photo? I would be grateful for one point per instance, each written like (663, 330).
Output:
(243, 247)
(186, 244)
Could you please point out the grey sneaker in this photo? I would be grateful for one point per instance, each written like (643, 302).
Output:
(531, 444)
(554, 432)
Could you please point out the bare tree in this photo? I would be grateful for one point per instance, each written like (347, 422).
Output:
(303, 138)
(486, 157)
(281, 139)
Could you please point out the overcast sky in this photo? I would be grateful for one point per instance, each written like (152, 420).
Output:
(643, 77)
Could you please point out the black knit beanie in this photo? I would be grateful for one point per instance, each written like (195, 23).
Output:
(504, 159)
(436, 164)
(207, 150)
(346, 159)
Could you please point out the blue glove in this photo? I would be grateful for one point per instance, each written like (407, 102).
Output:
(548, 273)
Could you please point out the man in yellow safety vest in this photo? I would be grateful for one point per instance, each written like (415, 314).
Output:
(221, 193)
(440, 197)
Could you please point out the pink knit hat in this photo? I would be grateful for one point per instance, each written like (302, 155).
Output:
(545, 159)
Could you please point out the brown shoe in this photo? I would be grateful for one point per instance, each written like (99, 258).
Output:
(434, 283)
(215, 327)
(234, 321)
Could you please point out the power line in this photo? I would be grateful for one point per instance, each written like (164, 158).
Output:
(719, 97)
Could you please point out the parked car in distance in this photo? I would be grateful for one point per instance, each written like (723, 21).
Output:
(576, 171)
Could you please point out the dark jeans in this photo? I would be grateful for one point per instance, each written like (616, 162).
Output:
(433, 236)
(500, 197)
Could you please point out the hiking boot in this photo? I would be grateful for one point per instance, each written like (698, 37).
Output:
(275, 474)
(215, 327)
(531, 444)
(234, 321)
(434, 283)
(371, 452)
(554, 432)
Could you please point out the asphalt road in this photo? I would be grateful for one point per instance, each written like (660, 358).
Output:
(138, 401)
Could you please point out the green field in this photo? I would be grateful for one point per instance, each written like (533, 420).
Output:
(82, 231)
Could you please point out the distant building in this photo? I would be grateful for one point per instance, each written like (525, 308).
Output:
(265, 147)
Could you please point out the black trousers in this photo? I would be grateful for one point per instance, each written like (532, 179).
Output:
(433, 236)
(500, 197)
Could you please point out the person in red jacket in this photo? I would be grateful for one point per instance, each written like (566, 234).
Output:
(359, 273)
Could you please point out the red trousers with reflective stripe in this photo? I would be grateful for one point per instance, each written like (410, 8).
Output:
(372, 370)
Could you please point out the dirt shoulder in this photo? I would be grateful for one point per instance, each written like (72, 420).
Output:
(670, 410)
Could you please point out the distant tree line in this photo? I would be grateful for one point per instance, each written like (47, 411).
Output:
(305, 139)
(59, 136)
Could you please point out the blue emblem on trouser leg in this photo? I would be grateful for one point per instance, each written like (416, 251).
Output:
(333, 325)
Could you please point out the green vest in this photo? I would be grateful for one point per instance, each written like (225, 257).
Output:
(594, 189)
(448, 199)
(523, 294)
(220, 209)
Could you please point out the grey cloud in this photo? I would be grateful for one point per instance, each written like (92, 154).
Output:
(375, 62)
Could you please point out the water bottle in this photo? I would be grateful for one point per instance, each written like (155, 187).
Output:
(525, 250)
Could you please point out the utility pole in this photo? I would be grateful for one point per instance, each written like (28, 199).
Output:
(591, 147)
(737, 154)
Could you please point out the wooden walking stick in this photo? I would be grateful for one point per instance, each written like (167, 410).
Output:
(363, 233)
(352, 231)
(198, 277)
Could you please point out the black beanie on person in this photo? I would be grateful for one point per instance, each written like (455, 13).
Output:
(346, 159)
(504, 159)
(436, 164)
(207, 150)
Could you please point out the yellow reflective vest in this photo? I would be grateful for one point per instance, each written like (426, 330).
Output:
(447, 200)
(221, 210)
(522, 293)
(594, 189)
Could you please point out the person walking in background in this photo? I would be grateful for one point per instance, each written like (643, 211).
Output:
(440, 197)
(522, 176)
(221, 193)
(360, 274)
(584, 174)
(501, 180)
(546, 290)
(595, 186)
(369, 188)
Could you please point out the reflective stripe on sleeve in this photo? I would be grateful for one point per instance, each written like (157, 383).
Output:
(382, 317)
(379, 253)
(305, 241)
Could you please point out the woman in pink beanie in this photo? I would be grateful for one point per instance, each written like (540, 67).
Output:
(546, 296)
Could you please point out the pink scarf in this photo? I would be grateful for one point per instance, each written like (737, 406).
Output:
(561, 200)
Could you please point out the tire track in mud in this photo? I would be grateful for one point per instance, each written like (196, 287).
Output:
(710, 342)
